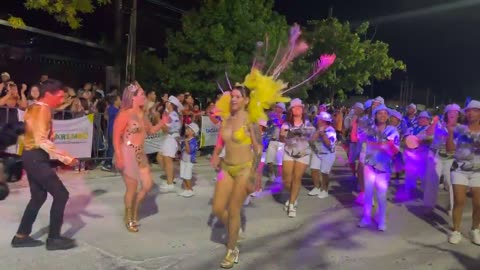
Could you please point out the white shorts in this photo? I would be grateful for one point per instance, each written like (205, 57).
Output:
(305, 159)
(322, 162)
(186, 169)
(169, 147)
(274, 153)
(469, 179)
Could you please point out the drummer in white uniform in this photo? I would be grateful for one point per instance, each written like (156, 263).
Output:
(274, 154)
(416, 152)
(442, 159)
(170, 142)
(322, 144)
(383, 142)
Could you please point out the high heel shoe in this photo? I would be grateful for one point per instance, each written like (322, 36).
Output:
(131, 227)
(135, 216)
(230, 259)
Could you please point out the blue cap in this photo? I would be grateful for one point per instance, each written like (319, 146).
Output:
(368, 104)
(424, 114)
(381, 107)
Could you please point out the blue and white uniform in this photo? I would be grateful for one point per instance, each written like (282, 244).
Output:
(188, 159)
(398, 163)
(170, 144)
(466, 164)
(323, 156)
(365, 123)
(381, 146)
(274, 153)
(440, 161)
(416, 160)
(410, 122)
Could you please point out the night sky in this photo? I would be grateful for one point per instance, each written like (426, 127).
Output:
(438, 39)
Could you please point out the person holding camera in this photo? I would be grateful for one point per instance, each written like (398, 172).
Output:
(295, 133)
(38, 148)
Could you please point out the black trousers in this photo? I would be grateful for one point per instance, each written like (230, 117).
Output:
(42, 179)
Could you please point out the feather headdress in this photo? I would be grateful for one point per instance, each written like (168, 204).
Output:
(266, 88)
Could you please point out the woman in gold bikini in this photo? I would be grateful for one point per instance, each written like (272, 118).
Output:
(129, 132)
(241, 109)
(243, 152)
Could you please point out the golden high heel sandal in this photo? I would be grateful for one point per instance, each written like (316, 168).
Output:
(131, 227)
(135, 216)
(230, 259)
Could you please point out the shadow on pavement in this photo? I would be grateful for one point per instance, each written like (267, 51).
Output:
(76, 209)
(431, 217)
(305, 251)
(465, 261)
(149, 206)
(219, 232)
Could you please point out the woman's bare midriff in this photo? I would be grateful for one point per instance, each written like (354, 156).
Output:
(236, 154)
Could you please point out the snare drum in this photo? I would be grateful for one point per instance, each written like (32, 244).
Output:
(412, 141)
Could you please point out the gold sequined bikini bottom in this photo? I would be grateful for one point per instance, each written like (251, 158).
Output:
(236, 170)
(139, 155)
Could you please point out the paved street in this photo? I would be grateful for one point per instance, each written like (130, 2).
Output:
(175, 231)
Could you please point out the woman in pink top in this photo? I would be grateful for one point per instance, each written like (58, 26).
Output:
(129, 132)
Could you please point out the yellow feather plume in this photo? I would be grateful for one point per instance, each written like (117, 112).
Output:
(265, 92)
(222, 106)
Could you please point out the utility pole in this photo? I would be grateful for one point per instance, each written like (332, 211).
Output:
(411, 92)
(132, 44)
(330, 12)
(401, 94)
(117, 36)
(427, 98)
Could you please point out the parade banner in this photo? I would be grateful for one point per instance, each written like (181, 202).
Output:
(208, 132)
(153, 143)
(75, 136)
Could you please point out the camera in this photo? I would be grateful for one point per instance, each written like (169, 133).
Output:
(10, 164)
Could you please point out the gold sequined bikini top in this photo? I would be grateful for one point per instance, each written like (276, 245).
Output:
(133, 127)
(241, 136)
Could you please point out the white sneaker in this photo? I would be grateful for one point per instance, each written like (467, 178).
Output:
(247, 201)
(167, 188)
(314, 192)
(256, 193)
(187, 193)
(323, 194)
(475, 234)
(292, 211)
(364, 222)
(381, 224)
(441, 186)
(455, 237)
(285, 207)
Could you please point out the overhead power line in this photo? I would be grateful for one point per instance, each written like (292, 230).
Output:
(167, 6)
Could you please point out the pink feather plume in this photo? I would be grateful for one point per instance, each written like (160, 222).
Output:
(322, 64)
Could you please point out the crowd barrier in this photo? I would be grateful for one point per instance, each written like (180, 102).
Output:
(86, 138)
